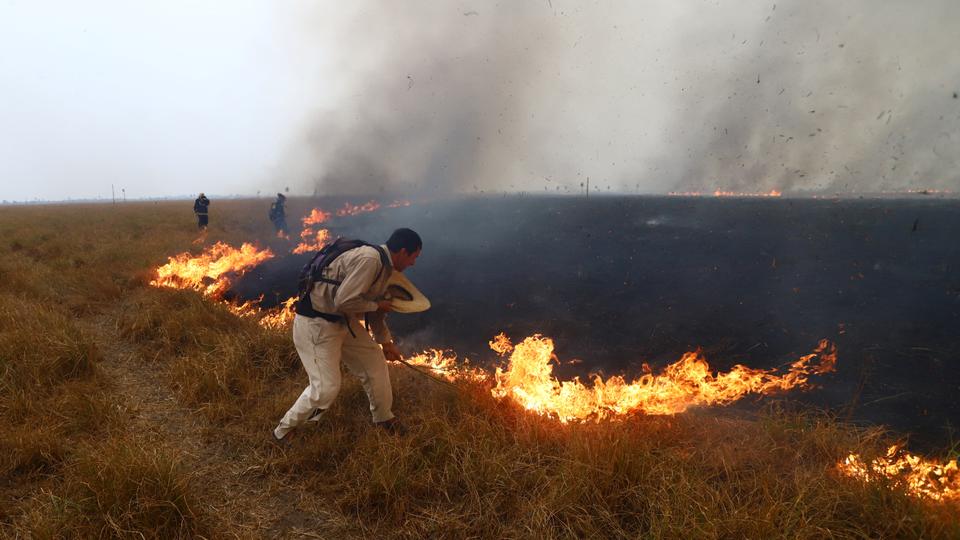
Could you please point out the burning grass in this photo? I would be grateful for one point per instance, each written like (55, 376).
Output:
(907, 472)
(689, 382)
(472, 464)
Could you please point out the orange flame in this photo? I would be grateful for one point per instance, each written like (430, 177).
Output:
(771, 193)
(316, 244)
(316, 216)
(210, 272)
(352, 210)
(313, 241)
(687, 383)
(529, 381)
(721, 193)
(280, 317)
(444, 364)
(916, 475)
(501, 344)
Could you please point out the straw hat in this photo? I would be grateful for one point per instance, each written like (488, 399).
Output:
(404, 296)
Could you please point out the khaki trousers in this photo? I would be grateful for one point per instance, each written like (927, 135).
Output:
(322, 345)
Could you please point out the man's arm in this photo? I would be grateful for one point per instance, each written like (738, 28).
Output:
(359, 279)
(378, 323)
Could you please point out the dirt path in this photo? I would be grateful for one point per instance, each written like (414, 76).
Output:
(230, 478)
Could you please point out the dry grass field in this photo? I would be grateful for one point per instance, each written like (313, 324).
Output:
(131, 411)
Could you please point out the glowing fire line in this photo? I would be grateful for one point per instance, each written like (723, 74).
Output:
(528, 380)
(720, 193)
(314, 240)
(212, 271)
(689, 382)
(917, 476)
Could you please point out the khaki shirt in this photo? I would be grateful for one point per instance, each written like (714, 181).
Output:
(357, 293)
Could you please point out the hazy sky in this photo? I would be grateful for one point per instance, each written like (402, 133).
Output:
(170, 98)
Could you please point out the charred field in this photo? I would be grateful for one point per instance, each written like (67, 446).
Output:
(619, 281)
(131, 410)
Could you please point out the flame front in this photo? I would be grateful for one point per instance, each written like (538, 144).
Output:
(352, 209)
(721, 193)
(312, 242)
(315, 217)
(689, 382)
(917, 476)
(212, 271)
(280, 317)
(444, 364)
(771, 193)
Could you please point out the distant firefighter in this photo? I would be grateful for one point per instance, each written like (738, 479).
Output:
(278, 214)
(200, 206)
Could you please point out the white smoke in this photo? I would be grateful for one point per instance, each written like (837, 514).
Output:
(639, 97)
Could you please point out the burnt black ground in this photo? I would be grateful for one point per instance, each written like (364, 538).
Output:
(618, 281)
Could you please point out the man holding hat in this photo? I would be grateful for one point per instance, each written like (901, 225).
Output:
(350, 284)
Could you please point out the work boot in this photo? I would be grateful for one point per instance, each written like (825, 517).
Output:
(317, 415)
(392, 426)
(281, 437)
(280, 443)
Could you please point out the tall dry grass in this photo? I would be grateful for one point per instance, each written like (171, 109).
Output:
(68, 467)
(50, 388)
(120, 489)
(475, 467)
(470, 466)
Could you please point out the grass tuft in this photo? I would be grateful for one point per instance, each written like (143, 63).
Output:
(121, 489)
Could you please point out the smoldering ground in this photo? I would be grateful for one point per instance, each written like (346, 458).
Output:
(651, 97)
(618, 281)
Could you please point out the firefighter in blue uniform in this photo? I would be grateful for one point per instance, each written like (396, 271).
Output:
(278, 214)
(200, 206)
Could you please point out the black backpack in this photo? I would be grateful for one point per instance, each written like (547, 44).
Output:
(276, 211)
(312, 272)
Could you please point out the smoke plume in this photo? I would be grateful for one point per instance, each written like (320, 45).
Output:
(461, 97)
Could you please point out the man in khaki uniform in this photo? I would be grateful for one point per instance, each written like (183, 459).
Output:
(351, 287)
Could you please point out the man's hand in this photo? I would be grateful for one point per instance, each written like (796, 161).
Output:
(390, 351)
(384, 306)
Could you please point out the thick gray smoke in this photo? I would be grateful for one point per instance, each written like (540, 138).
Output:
(434, 97)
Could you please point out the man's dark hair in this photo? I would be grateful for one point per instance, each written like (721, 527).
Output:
(404, 239)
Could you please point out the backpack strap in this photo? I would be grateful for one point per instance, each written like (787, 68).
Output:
(304, 305)
(384, 261)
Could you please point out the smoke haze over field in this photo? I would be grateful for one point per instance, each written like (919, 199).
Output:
(368, 97)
